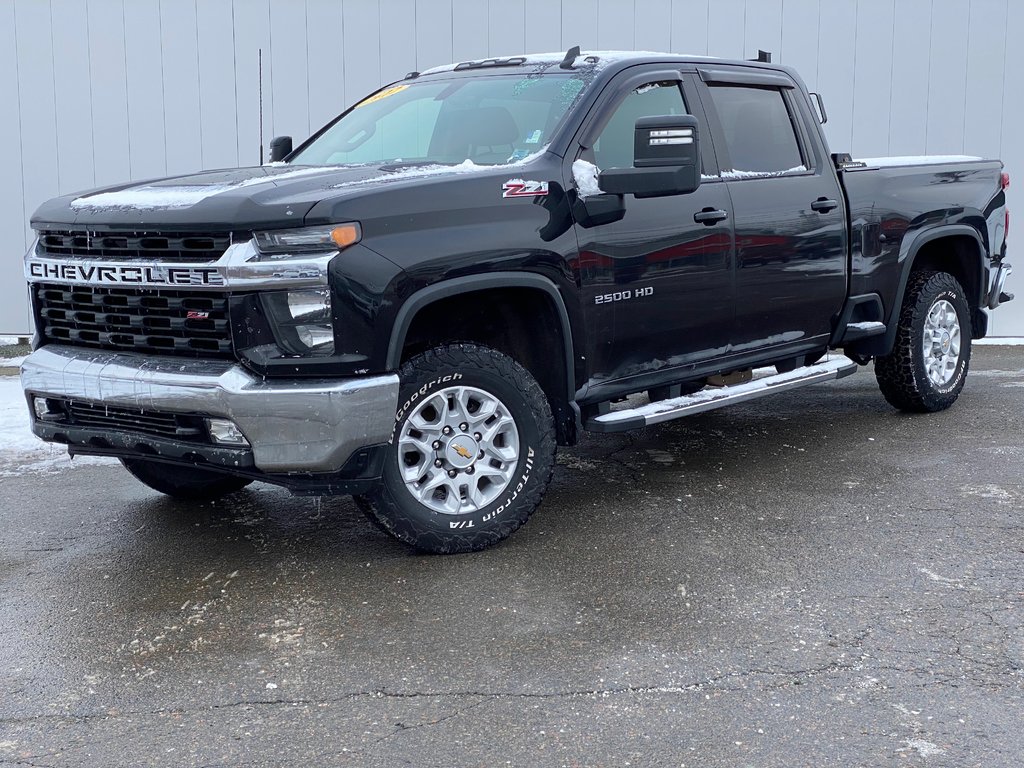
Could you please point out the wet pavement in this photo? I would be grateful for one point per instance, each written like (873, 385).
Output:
(811, 579)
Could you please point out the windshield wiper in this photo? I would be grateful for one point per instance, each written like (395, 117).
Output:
(403, 164)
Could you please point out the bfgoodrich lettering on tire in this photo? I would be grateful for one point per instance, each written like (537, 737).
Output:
(471, 454)
(928, 365)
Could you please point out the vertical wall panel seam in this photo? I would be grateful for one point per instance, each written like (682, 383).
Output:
(309, 101)
(56, 107)
(344, 90)
(163, 76)
(967, 67)
(892, 65)
(92, 111)
(1006, 48)
(853, 90)
(199, 88)
(782, 10)
(21, 132)
(928, 91)
(234, 69)
(127, 111)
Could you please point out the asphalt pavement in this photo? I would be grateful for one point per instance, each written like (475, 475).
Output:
(809, 580)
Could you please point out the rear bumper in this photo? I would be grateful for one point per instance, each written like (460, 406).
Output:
(293, 426)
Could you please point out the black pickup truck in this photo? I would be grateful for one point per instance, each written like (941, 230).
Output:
(477, 263)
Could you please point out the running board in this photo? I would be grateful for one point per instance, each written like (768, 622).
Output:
(710, 399)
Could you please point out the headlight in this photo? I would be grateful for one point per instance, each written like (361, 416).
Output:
(282, 243)
(302, 320)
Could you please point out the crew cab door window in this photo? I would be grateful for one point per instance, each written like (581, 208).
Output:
(613, 147)
(758, 129)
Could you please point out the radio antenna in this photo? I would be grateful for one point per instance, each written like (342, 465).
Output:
(259, 58)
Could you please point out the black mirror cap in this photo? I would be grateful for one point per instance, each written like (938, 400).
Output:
(280, 148)
(668, 140)
(651, 182)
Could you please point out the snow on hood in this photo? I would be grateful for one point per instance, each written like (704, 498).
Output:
(164, 197)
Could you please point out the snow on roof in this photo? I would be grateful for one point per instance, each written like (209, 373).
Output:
(602, 58)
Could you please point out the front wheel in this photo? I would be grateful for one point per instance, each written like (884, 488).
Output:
(471, 455)
(926, 370)
(183, 482)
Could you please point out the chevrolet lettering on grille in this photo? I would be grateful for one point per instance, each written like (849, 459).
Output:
(122, 274)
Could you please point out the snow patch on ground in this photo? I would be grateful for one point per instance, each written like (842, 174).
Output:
(999, 341)
(11, 362)
(924, 748)
(20, 450)
(585, 175)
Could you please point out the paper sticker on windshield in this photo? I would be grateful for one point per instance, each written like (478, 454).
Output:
(521, 188)
(381, 95)
(534, 138)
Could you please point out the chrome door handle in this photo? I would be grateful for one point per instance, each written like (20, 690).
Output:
(710, 216)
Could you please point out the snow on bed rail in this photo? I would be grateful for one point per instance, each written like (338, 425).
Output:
(889, 162)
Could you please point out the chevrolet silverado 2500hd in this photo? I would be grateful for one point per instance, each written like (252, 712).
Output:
(476, 263)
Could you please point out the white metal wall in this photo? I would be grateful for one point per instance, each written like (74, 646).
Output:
(101, 91)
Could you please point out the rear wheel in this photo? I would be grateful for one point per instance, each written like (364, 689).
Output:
(471, 455)
(184, 482)
(928, 365)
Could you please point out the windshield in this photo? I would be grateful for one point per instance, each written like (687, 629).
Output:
(486, 119)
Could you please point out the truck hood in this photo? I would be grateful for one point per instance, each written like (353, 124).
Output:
(235, 199)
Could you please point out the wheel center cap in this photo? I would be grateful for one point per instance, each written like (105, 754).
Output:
(461, 451)
(945, 341)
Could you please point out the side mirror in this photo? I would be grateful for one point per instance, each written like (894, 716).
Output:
(280, 148)
(666, 159)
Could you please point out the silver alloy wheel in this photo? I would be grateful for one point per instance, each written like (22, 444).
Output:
(458, 450)
(941, 343)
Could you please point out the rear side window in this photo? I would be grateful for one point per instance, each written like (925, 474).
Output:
(759, 130)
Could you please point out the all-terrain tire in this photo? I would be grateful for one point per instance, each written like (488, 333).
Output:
(436, 376)
(180, 482)
(903, 375)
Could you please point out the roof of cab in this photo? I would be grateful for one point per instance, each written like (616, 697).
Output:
(596, 59)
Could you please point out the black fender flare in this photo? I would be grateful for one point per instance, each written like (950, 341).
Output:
(882, 345)
(471, 283)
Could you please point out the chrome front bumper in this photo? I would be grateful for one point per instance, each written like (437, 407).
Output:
(293, 425)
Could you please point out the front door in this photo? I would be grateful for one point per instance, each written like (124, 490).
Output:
(656, 285)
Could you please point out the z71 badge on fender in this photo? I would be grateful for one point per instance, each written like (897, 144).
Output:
(520, 188)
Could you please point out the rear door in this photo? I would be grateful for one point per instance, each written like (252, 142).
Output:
(657, 285)
(789, 212)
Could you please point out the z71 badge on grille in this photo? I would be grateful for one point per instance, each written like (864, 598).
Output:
(521, 188)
